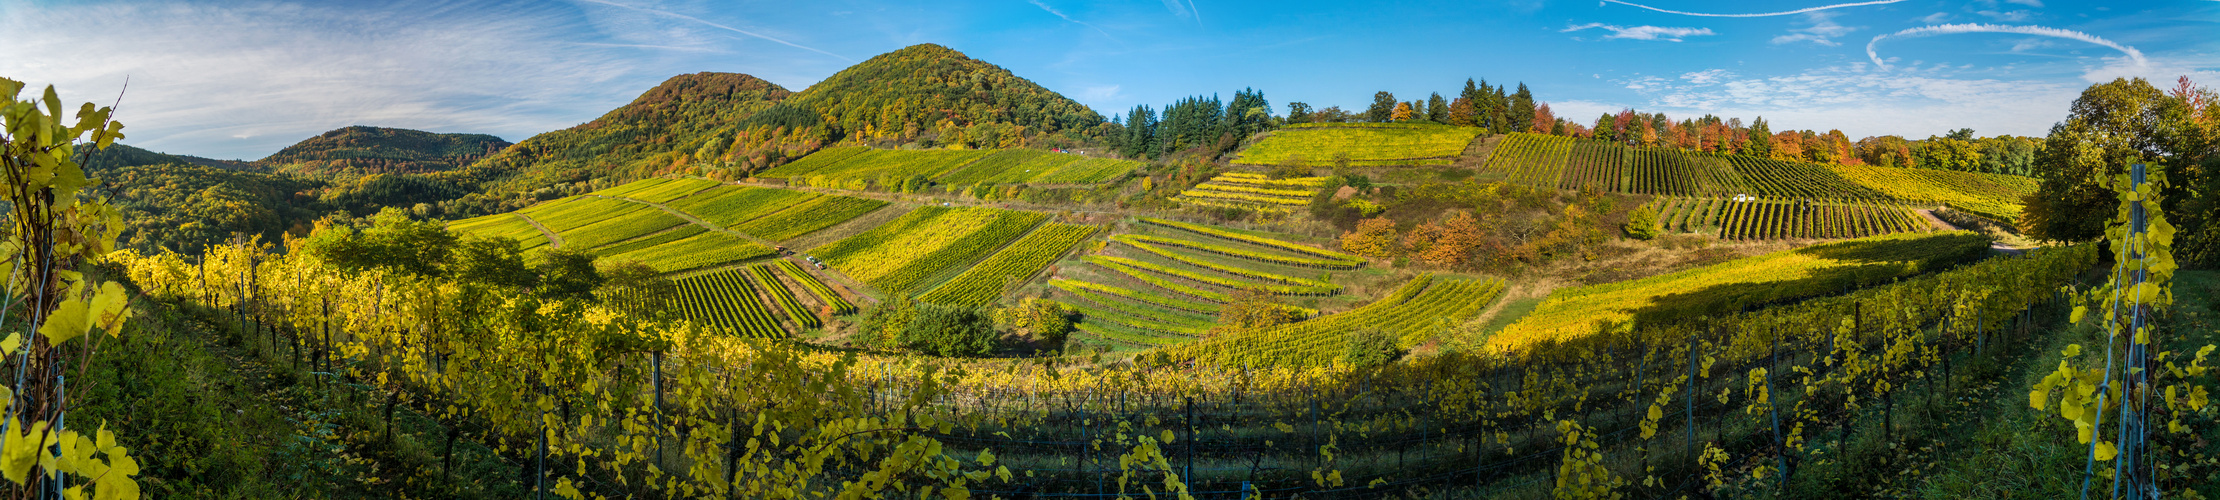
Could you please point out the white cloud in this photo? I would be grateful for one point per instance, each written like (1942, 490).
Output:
(1864, 102)
(1949, 29)
(1099, 92)
(2009, 16)
(244, 80)
(1059, 13)
(1706, 77)
(1935, 18)
(1822, 31)
(1762, 14)
(1645, 83)
(2031, 3)
(1643, 32)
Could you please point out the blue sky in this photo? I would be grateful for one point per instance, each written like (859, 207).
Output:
(244, 79)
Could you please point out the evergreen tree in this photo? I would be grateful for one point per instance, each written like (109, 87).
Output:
(1383, 108)
(1604, 130)
(1761, 139)
(1140, 133)
(1437, 109)
(1522, 110)
(1249, 113)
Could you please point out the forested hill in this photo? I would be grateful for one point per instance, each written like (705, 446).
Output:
(906, 93)
(726, 125)
(121, 155)
(665, 126)
(359, 150)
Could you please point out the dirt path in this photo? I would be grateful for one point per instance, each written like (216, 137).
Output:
(1937, 221)
(553, 240)
(1998, 247)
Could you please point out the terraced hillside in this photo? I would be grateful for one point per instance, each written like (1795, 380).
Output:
(1567, 163)
(1164, 282)
(1360, 144)
(697, 229)
(1252, 191)
(925, 246)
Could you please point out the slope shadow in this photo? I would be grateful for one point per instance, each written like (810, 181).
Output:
(1864, 263)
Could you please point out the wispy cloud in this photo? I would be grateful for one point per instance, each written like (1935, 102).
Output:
(1761, 14)
(1950, 29)
(1184, 9)
(1823, 31)
(242, 80)
(1642, 32)
(1068, 18)
(1861, 101)
(703, 22)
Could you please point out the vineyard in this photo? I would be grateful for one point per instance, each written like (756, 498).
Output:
(1360, 144)
(1036, 166)
(1015, 264)
(727, 300)
(1565, 163)
(502, 226)
(1253, 192)
(1159, 284)
(1573, 313)
(1274, 416)
(911, 253)
(1423, 308)
(858, 167)
(1775, 219)
(1994, 196)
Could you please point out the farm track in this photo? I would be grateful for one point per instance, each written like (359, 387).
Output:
(553, 240)
(1476, 154)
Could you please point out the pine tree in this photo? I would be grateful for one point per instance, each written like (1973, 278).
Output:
(1522, 109)
(1437, 109)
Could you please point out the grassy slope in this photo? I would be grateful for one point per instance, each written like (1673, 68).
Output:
(1723, 288)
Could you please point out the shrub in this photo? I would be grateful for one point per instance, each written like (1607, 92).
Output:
(1641, 224)
(1369, 348)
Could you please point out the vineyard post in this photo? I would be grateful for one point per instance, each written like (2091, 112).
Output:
(1189, 475)
(658, 383)
(1690, 404)
(1773, 406)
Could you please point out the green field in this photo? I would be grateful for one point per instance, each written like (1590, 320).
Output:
(905, 255)
(1364, 144)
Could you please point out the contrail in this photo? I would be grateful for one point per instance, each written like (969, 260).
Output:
(1951, 29)
(723, 27)
(1767, 14)
(1059, 13)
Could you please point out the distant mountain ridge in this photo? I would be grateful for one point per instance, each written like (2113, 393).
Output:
(362, 150)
